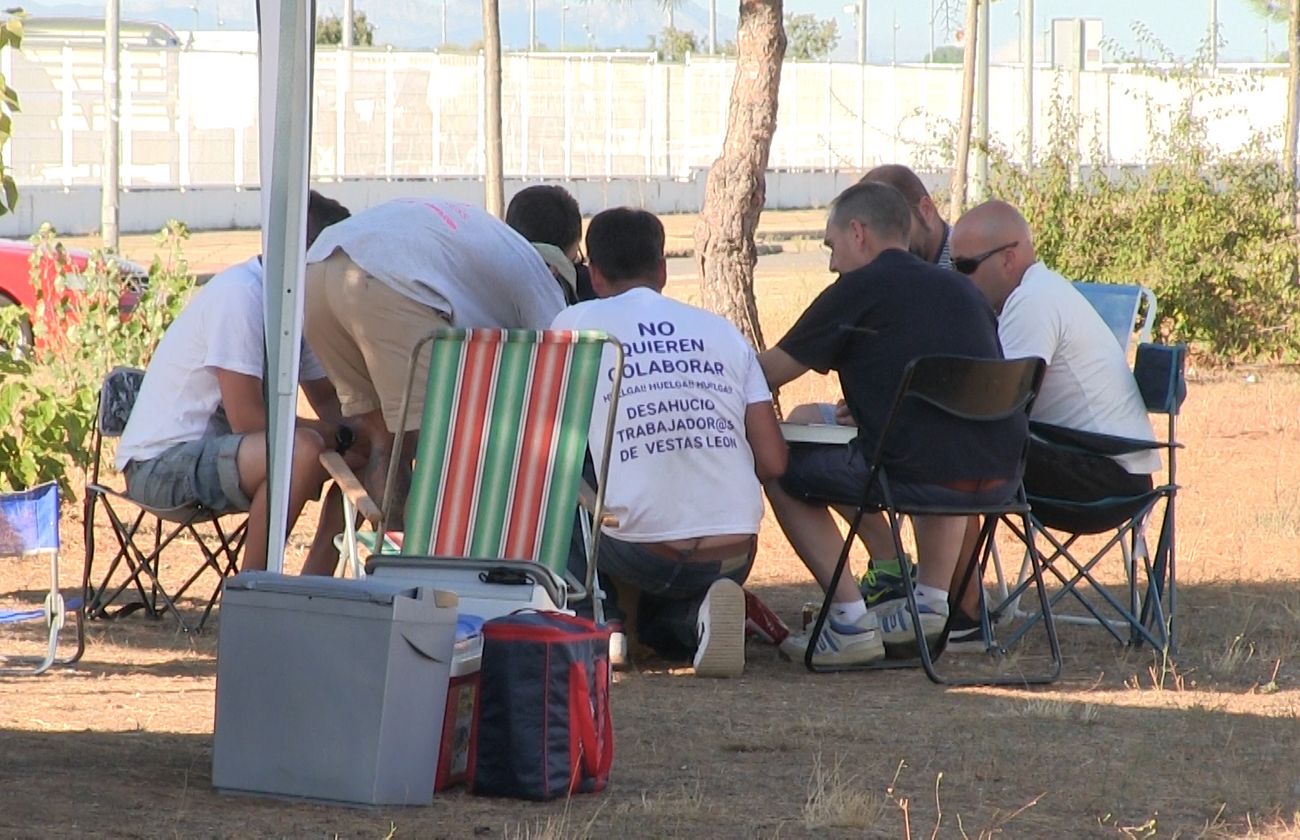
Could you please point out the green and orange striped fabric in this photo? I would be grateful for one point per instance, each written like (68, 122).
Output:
(502, 443)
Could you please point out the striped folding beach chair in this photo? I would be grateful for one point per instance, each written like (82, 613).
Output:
(498, 470)
(29, 526)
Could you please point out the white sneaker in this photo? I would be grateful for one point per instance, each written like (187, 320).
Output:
(720, 630)
(858, 643)
(897, 630)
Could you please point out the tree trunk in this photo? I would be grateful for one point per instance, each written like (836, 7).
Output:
(494, 198)
(957, 201)
(736, 188)
(1293, 111)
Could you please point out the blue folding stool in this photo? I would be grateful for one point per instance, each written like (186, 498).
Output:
(29, 525)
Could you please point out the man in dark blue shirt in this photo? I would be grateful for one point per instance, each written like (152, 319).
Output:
(887, 308)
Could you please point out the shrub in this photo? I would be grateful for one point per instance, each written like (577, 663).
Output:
(50, 393)
(1209, 233)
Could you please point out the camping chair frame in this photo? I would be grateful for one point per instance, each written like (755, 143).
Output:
(972, 390)
(1148, 616)
(454, 388)
(1123, 308)
(54, 609)
(219, 550)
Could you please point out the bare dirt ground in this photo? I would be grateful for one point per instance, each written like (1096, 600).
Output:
(1127, 744)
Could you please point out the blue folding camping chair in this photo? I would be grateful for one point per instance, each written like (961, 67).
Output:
(29, 526)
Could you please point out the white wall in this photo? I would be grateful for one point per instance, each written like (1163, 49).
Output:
(618, 127)
(77, 210)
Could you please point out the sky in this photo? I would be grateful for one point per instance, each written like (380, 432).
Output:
(896, 29)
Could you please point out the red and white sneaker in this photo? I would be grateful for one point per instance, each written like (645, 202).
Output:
(761, 623)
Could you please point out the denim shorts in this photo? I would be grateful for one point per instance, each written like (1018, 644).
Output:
(203, 471)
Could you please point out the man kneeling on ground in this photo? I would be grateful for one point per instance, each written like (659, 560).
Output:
(689, 449)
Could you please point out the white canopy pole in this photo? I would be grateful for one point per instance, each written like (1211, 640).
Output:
(287, 32)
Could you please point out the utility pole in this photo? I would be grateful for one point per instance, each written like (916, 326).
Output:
(564, 14)
(349, 37)
(108, 218)
(981, 179)
(1214, 34)
(893, 52)
(862, 31)
(930, 56)
(1027, 57)
(713, 27)
(493, 185)
(532, 25)
(444, 24)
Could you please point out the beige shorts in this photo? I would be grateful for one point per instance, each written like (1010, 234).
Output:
(363, 332)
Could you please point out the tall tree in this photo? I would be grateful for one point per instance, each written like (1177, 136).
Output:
(1293, 109)
(810, 38)
(736, 188)
(494, 189)
(329, 30)
(673, 44)
(1278, 10)
(957, 201)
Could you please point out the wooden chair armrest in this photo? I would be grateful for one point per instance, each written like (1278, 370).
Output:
(350, 485)
(587, 500)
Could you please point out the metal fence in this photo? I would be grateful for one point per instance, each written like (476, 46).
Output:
(189, 118)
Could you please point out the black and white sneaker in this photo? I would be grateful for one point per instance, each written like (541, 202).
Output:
(720, 631)
(966, 636)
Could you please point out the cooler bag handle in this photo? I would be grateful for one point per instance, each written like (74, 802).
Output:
(597, 752)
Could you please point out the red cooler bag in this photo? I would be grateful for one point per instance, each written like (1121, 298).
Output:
(544, 728)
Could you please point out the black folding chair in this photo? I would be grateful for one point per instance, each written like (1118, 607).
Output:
(143, 532)
(971, 392)
(1144, 612)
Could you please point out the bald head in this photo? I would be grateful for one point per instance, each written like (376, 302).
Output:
(992, 244)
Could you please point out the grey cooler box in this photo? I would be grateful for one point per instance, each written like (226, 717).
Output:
(331, 689)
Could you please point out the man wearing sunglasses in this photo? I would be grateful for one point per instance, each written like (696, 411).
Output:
(886, 308)
(1088, 385)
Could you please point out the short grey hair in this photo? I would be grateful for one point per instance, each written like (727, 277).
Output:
(878, 207)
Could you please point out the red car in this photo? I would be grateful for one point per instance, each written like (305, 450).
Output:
(17, 288)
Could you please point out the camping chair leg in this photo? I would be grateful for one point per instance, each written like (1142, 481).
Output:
(351, 561)
(597, 591)
(1049, 625)
(823, 614)
(128, 553)
(1161, 583)
(56, 617)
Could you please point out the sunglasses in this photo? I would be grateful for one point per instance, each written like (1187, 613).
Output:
(968, 265)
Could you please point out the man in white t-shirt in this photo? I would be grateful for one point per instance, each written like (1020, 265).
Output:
(695, 434)
(390, 275)
(197, 432)
(1088, 385)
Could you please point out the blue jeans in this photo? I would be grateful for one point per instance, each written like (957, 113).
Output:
(673, 584)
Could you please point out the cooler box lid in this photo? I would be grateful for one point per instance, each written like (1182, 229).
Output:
(371, 590)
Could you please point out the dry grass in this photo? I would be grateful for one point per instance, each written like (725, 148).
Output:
(1128, 744)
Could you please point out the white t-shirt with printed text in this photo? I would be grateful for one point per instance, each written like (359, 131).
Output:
(1088, 385)
(681, 466)
(451, 256)
(220, 328)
